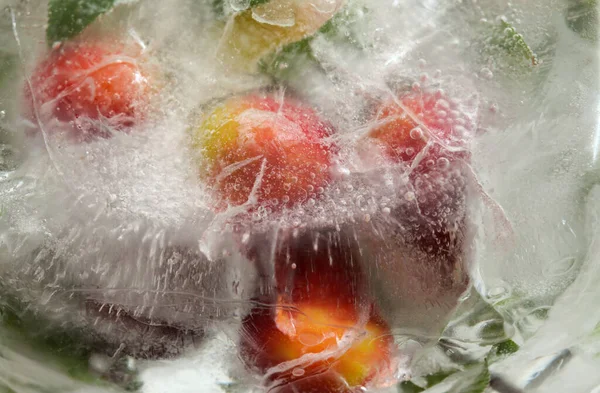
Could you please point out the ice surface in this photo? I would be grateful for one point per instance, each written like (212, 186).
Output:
(119, 237)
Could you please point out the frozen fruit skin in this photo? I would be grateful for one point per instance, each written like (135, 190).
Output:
(419, 266)
(320, 296)
(256, 32)
(416, 291)
(265, 346)
(88, 81)
(422, 129)
(261, 150)
(417, 253)
(320, 266)
(393, 132)
(403, 126)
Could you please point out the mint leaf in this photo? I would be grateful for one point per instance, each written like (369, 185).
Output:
(288, 61)
(293, 59)
(582, 18)
(8, 63)
(502, 350)
(501, 48)
(220, 9)
(409, 387)
(67, 18)
(474, 379)
(254, 3)
(436, 378)
(69, 345)
(507, 38)
(506, 348)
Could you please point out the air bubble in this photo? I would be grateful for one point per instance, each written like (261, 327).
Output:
(460, 131)
(344, 171)
(465, 296)
(416, 133)
(486, 73)
(245, 238)
(443, 162)
(559, 268)
(441, 103)
(100, 363)
(360, 200)
(498, 293)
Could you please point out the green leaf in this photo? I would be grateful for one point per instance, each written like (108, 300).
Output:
(431, 380)
(219, 8)
(8, 63)
(133, 386)
(507, 38)
(341, 28)
(409, 387)
(231, 387)
(506, 348)
(68, 349)
(6, 389)
(67, 18)
(288, 61)
(474, 379)
(582, 18)
(295, 58)
(436, 378)
(502, 350)
(500, 47)
(254, 3)
(69, 345)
